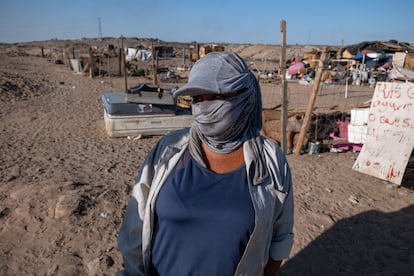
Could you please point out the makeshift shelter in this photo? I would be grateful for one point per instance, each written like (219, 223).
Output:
(210, 48)
(137, 54)
(409, 62)
(164, 51)
(311, 58)
(377, 47)
(400, 67)
(362, 57)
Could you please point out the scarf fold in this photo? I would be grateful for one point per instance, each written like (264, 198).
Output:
(224, 124)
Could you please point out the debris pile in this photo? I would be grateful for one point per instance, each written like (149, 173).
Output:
(17, 86)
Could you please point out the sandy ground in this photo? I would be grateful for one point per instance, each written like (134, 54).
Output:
(64, 185)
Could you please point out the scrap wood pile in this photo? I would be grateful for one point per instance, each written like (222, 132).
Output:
(324, 128)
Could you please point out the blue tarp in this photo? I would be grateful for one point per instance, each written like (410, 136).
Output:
(360, 56)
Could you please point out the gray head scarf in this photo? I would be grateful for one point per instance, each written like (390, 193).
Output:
(235, 115)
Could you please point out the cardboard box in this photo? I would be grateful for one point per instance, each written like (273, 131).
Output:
(357, 134)
(359, 116)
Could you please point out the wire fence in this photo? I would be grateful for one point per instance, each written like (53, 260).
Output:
(331, 112)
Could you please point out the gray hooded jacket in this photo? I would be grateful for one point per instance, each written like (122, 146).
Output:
(271, 191)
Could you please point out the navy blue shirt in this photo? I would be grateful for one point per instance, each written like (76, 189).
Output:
(204, 221)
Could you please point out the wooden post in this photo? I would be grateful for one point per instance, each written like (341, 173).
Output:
(154, 69)
(90, 63)
(43, 53)
(157, 64)
(66, 59)
(124, 63)
(120, 62)
(283, 88)
(308, 114)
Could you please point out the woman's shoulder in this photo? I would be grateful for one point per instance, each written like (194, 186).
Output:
(169, 145)
(175, 138)
(172, 141)
(270, 144)
(272, 149)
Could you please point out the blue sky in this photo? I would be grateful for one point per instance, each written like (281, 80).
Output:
(308, 22)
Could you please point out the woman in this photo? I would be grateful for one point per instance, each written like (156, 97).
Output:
(215, 199)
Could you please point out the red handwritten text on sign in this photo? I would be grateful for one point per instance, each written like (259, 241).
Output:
(390, 137)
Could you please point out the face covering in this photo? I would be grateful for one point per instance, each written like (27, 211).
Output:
(224, 124)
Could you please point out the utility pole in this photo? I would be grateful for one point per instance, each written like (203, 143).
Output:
(154, 67)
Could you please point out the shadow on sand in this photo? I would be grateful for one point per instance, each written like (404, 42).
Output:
(370, 243)
(408, 178)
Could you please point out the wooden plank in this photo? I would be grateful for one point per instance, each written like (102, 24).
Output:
(283, 88)
(311, 103)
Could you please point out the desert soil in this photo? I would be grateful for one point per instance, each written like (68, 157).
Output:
(64, 186)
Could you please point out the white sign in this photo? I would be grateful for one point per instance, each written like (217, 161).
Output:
(390, 138)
